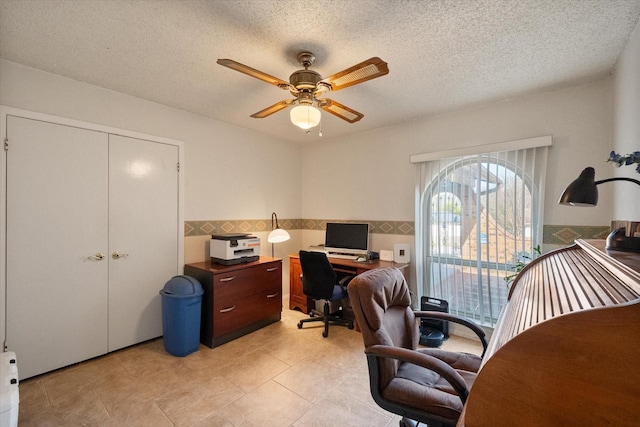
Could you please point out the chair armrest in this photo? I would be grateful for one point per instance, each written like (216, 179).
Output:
(477, 329)
(428, 362)
(344, 282)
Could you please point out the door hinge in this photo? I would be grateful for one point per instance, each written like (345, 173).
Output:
(178, 166)
(6, 144)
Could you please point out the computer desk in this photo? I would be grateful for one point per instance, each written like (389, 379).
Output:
(299, 301)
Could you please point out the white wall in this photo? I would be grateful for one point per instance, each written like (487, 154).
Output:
(368, 175)
(626, 130)
(231, 172)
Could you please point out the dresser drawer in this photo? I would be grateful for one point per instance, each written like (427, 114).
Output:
(231, 286)
(246, 311)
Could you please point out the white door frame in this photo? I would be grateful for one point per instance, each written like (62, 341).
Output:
(10, 111)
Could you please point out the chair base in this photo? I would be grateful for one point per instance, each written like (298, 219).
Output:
(326, 318)
(407, 422)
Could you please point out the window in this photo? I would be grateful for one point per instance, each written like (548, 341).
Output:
(477, 214)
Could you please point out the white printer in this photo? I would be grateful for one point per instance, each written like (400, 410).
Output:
(234, 248)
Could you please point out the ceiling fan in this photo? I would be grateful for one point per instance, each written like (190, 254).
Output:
(307, 87)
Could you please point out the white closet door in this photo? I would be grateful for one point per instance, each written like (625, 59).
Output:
(143, 230)
(57, 182)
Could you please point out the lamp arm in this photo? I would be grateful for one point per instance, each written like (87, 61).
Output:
(618, 179)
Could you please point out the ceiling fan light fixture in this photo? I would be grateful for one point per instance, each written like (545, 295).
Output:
(307, 86)
(305, 116)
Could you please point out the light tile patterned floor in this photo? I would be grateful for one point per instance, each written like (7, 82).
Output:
(277, 376)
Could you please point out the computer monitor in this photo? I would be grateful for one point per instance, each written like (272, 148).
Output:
(351, 239)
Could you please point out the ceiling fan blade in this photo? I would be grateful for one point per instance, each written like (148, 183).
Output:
(272, 109)
(339, 110)
(366, 70)
(230, 63)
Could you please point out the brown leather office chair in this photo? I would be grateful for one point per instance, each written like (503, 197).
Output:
(420, 384)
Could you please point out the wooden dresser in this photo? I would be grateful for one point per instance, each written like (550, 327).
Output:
(566, 349)
(238, 299)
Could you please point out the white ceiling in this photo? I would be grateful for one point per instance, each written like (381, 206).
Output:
(442, 55)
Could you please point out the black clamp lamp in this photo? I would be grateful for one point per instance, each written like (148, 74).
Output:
(583, 191)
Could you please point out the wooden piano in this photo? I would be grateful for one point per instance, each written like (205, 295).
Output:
(566, 349)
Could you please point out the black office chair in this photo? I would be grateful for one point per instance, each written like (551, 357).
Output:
(320, 282)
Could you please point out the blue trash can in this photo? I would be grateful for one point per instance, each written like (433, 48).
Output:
(181, 307)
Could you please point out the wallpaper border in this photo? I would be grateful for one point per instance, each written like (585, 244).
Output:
(551, 234)
(199, 228)
(567, 234)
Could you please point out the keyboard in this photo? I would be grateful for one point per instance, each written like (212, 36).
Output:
(342, 256)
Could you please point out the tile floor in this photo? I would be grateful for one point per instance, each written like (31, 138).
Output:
(276, 376)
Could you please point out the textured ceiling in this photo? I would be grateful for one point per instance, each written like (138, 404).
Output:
(442, 55)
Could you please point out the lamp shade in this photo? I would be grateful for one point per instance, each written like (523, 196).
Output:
(305, 116)
(278, 235)
(582, 191)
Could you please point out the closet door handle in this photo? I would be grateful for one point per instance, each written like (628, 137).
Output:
(273, 295)
(227, 279)
(272, 269)
(118, 255)
(97, 257)
(226, 310)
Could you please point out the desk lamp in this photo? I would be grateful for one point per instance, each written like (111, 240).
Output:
(277, 234)
(583, 192)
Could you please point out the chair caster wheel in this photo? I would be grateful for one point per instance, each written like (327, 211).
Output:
(351, 326)
(299, 325)
(325, 334)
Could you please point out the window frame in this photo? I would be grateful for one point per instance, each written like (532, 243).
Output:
(432, 167)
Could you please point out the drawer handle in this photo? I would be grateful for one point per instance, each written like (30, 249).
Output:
(226, 310)
(227, 279)
(273, 295)
(272, 269)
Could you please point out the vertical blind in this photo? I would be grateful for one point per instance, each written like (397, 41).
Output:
(478, 212)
